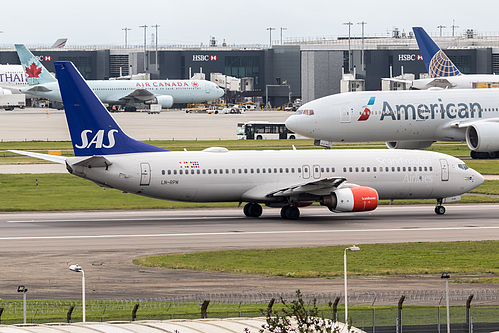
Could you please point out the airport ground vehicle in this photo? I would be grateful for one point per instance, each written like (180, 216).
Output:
(264, 130)
(9, 102)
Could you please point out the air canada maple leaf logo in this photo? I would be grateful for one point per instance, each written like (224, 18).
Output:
(195, 84)
(33, 71)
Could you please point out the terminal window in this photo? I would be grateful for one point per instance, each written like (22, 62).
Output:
(243, 66)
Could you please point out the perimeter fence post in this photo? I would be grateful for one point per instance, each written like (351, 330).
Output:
(468, 311)
(271, 304)
(399, 319)
(204, 309)
(70, 311)
(1, 311)
(335, 309)
(134, 312)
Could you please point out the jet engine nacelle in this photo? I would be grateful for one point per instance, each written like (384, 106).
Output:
(483, 136)
(352, 199)
(164, 100)
(409, 144)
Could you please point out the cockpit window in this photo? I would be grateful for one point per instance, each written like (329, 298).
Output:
(463, 166)
(305, 112)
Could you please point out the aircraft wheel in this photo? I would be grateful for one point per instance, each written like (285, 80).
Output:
(283, 212)
(440, 210)
(252, 210)
(290, 213)
(293, 213)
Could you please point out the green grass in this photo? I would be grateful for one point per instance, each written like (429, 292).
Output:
(470, 258)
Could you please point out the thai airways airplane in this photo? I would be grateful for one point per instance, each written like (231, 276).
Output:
(121, 92)
(443, 73)
(12, 79)
(341, 180)
(410, 119)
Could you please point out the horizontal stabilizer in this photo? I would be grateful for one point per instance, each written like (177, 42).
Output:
(46, 157)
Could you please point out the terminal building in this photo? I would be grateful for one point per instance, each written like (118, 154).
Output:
(304, 69)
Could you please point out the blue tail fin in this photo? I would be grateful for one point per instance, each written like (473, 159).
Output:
(436, 61)
(36, 73)
(93, 130)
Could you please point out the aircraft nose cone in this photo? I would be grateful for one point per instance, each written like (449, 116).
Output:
(291, 123)
(479, 179)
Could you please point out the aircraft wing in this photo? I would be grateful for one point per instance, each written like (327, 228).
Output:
(39, 88)
(441, 83)
(467, 123)
(316, 186)
(139, 94)
(47, 157)
(328, 184)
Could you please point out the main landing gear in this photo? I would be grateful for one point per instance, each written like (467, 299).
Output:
(439, 209)
(288, 212)
(252, 210)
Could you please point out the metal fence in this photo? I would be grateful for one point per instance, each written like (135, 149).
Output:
(370, 311)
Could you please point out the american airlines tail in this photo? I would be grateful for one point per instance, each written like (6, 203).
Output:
(36, 73)
(93, 130)
(436, 61)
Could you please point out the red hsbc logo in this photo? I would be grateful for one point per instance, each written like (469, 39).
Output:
(47, 58)
(203, 57)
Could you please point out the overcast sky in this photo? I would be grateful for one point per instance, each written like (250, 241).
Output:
(192, 22)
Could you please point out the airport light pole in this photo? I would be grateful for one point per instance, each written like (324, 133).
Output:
(77, 268)
(362, 58)
(351, 248)
(446, 276)
(126, 29)
(441, 27)
(454, 26)
(270, 32)
(24, 290)
(145, 44)
(157, 65)
(281, 32)
(349, 47)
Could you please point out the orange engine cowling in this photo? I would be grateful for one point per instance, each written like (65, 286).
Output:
(352, 199)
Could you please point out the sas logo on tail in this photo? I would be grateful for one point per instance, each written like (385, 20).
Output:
(367, 111)
(97, 139)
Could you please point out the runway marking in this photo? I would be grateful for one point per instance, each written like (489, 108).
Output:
(124, 219)
(238, 233)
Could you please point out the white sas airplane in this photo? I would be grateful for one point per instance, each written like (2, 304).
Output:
(341, 180)
(409, 119)
(120, 92)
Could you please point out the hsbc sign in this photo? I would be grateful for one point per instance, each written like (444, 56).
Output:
(409, 57)
(203, 57)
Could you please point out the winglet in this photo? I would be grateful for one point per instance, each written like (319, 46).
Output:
(436, 61)
(36, 73)
(93, 130)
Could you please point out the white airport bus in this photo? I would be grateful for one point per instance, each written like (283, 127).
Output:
(264, 130)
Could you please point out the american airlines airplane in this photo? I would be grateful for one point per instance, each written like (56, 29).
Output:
(443, 73)
(121, 92)
(341, 180)
(410, 119)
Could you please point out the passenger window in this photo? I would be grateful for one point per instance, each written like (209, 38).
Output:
(403, 169)
(398, 169)
(252, 170)
(163, 172)
(215, 171)
(198, 171)
(292, 170)
(425, 168)
(192, 171)
(350, 169)
(299, 170)
(362, 169)
(374, 169)
(393, 169)
(344, 169)
(280, 170)
(356, 169)
(227, 171)
(257, 170)
(209, 171)
(180, 172)
(169, 172)
(263, 170)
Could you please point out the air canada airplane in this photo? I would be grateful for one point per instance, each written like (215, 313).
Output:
(341, 180)
(442, 71)
(120, 92)
(410, 119)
